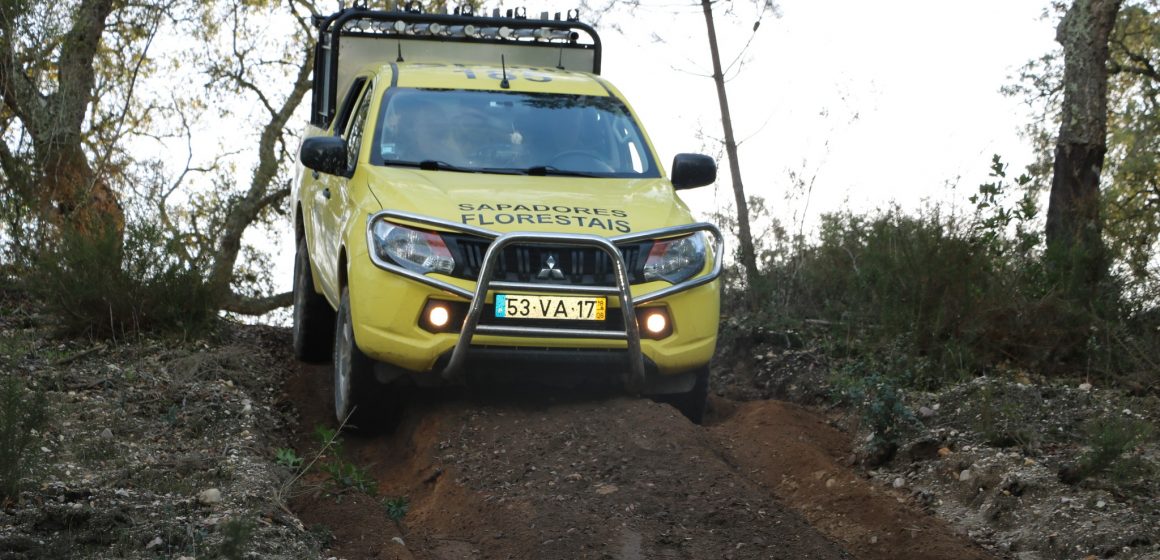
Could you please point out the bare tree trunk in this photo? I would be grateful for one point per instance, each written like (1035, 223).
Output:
(1074, 229)
(745, 237)
(85, 203)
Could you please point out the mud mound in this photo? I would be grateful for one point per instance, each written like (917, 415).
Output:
(580, 477)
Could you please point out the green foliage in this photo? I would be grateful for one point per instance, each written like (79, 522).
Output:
(236, 534)
(287, 458)
(873, 389)
(101, 286)
(22, 415)
(939, 296)
(396, 507)
(343, 474)
(1110, 438)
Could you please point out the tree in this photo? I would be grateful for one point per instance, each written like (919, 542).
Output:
(1074, 229)
(745, 237)
(51, 103)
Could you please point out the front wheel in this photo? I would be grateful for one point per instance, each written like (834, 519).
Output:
(313, 317)
(359, 399)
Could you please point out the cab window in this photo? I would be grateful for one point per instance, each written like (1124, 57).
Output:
(354, 134)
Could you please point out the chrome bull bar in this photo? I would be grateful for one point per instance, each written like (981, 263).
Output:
(634, 378)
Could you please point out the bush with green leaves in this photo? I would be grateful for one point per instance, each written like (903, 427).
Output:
(946, 293)
(22, 416)
(105, 286)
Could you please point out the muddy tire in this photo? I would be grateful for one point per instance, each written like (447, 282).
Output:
(313, 317)
(359, 399)
(693, 403)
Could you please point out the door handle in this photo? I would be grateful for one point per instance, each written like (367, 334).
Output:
(326, 193)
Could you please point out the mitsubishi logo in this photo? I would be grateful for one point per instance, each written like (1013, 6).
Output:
(549, 271)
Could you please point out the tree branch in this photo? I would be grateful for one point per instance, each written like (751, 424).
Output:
(244, 305)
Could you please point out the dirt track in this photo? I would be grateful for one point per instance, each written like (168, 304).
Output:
(548, 475)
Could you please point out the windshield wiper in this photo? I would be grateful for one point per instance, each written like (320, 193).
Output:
(542, 170)
(427, 165)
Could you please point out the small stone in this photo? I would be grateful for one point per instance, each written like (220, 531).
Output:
(1101, 504)
(830, 483)
(926, 412)
(156, 542)
(965, 475)
(944, 451)
(398, 541)
(1028, 461)
(874, 540)
(1065, 500)
(106, 434)
(1085, 386)
(899, 482)
(759, 357)
(605, 489)
(210, 497)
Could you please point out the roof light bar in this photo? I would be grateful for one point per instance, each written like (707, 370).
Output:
(433, 29)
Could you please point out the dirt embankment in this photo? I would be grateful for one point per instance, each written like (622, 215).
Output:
(547, 475)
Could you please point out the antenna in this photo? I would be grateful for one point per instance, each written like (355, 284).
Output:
(504, 83)
(400, 45)
(560, 65)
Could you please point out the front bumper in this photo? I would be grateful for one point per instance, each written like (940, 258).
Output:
(387, 300)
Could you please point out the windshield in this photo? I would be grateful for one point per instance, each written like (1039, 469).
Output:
(506, 132)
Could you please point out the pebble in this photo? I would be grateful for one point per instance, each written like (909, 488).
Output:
(1085, 386)
(944, 451)
(830, 483)
(605, 489)
(899, 482)
(106, 434)
(398, 541)
(1100, 504)
(156, 542)
(926, 412)
(965, 475)
(210, 497)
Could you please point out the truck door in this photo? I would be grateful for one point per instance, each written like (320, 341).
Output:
(331, 203)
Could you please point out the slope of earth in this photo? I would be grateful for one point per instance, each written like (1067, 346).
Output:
(545, 475)
(150, 448)
(1000, 457)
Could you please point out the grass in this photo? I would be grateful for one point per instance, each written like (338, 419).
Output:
(22, 416)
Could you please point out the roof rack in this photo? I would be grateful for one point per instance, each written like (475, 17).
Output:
(356, 36)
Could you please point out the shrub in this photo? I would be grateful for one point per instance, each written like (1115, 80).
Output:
(21, 416)
(105, 286)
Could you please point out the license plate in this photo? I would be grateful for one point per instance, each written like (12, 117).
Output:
(512, 306)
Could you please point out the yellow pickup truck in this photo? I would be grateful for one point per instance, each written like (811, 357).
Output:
(474, 202)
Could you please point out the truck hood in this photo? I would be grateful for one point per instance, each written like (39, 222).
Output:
(504, 203)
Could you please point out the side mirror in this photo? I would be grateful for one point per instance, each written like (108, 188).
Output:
(325, 154)
(693, 170)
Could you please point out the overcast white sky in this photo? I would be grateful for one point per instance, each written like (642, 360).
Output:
(880, 101)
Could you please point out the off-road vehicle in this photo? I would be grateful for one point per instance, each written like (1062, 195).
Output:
(474, 199)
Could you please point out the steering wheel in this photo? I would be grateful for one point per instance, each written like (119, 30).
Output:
(580, 160)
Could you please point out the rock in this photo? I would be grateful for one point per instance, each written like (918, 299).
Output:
(830, 483)
(965, 475)
(899, 482)
(210, 497)
(605, 489)
(1085, 387)
(944, 451)
(398, 541)
(1101, 504)
(106, 434)
(156, 542)
(926, 412)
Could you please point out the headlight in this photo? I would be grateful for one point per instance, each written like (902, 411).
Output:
(677, 259)
(420, 251)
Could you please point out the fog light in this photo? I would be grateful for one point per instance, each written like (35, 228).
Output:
(438, 316)
(441, 316)
(654, 322)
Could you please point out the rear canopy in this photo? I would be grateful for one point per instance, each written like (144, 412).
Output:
(357, 36)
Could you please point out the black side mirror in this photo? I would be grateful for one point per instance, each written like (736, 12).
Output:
(693, 170)
(325, 154)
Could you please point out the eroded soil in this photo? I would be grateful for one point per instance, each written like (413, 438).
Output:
(542, 474)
